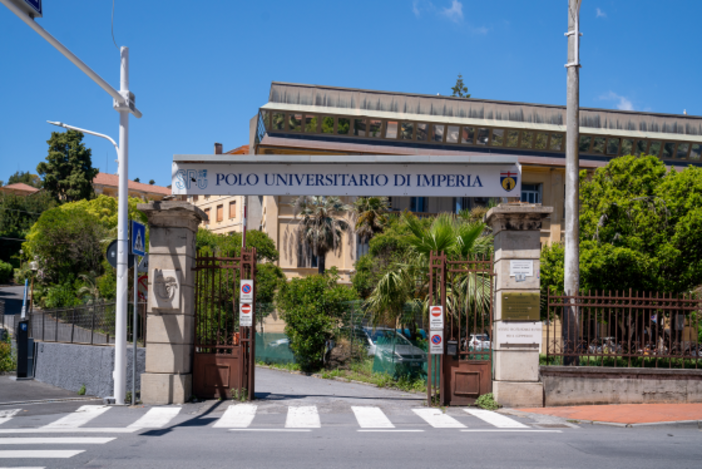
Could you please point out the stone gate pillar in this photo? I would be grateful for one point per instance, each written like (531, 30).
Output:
(170, 321)
(516, 228)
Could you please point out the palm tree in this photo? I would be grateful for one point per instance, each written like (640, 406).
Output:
(321, 224)
(370, 216)
(90, 287)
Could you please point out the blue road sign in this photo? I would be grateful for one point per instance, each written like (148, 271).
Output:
(35, 4)
(138, 241)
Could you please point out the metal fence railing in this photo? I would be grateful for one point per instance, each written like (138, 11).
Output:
(85, 324)
(629, 329)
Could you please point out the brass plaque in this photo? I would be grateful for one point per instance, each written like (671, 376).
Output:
(521, 306)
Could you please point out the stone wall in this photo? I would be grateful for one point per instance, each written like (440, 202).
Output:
(71, 366)
(566, 385)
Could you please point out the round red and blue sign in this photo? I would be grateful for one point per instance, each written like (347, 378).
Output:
(246, 288)
(436, 339)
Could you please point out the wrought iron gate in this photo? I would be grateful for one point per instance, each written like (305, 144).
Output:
(223, 358)
(465, 288)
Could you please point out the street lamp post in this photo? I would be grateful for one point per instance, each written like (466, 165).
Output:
(123, 102)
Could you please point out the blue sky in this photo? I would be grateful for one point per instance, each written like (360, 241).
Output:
(201, 69)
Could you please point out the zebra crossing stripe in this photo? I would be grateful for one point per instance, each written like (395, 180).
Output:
(371, 417)
(6, 415)
(40, 454)
(156, 417)
(237, 416)
(80, 417)
(55, 441)
(495, 419)
(302, 417)
(437, 419)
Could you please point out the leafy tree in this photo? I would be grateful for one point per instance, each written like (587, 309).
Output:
(230, 244)
(311, 307)
(26, 178)
(152, 182)
(640, 228)
(460, 90)
(67, 242)
(17, 215)
(320, 226)
(370, 215)
(137, 180)
(68, 171)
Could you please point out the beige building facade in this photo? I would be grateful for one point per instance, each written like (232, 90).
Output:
(310, 119)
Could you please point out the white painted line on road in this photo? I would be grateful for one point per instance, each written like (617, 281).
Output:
(156, 417)
(302, 417)
(269, 430)
(6, 415)
(40, 454)
(512, 431)
(55, 441)
(493, 418)
(23, 467)
(371, 417)
(80, 417)
(390, 431)
(437, 419)
(237, 416)
(68, 430)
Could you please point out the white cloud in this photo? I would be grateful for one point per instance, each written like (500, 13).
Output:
(415, 8)
(422, 6)
(479, 30)
(601, 14)
(455, 13)
(623, 103)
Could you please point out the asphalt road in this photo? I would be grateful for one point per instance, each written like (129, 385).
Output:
(302, 422)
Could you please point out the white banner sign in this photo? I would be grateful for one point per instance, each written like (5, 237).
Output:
(519, 334)
(378, 179)
(525, 268)
(245, 315)
(436, 318)
(436, 342)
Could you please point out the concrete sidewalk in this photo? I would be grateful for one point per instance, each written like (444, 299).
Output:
(27, 391)
(626, 414)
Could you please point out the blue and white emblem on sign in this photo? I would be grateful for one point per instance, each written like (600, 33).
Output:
(508, 180)
(191, 177)
(138, 241)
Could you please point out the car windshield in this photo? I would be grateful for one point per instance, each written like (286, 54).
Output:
(386, 336)
(481, 337)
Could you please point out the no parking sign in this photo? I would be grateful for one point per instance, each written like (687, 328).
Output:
(246, 291)
(436, 343)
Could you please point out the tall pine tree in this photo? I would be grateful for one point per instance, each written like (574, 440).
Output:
(460, 90)
(68, 171)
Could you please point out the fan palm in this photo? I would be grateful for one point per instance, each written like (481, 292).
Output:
(370, 216)
(321, 224)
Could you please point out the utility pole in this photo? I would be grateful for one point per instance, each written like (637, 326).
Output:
(572, 196)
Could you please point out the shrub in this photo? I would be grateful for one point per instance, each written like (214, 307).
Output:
(5, 272)
(8, 361)
(487, 402)
(311, 307)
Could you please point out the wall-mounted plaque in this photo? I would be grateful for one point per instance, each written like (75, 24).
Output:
(520, 306)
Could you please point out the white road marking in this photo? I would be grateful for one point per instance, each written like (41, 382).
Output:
(371, 417)
(513, 431)
(80, 417)
(389, 431)
(55, 441)
(69, 430)
(40, 454)
(437, 419)
(237, 416)
(156, 417)
(269, 430)
(6, 415)
(493, 418)
(302, 417)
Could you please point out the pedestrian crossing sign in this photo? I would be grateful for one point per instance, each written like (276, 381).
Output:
(138, 241)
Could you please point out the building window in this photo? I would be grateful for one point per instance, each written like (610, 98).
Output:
(207, 212)
(696, 151)
(422, 132)
(311, 124)
(362, 247)
(512, 138)
(682, 150)
(278, 121)
(295, 122)
(391, 129)
(305, 259)
(452, 134)
(531, 193)
(438, 133)
(375, 128)
(556, 142)
(232, 209)
(327, 125)
(541, 141)
(407, 131)
(461, 203)
(497, 136)
(527, 139)
(359, 127)
(343, 125)
(195, 197)
(483, 136)
(468, 135)
(418, 204)
(220, 213)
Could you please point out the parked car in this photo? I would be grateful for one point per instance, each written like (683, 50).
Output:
(605, 345)
(478, 342)
(387, 343)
